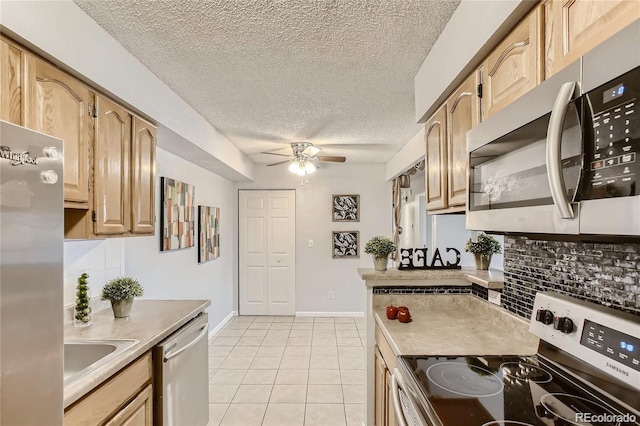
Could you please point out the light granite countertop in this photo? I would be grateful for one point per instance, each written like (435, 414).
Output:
(150, 322)
(492, 279)
(453, 325)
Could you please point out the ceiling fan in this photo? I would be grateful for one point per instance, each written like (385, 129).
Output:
(304, 153)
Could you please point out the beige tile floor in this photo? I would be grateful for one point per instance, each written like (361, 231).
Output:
(281, 371)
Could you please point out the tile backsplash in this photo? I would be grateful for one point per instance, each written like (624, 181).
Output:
(608, 274)
(101, 259)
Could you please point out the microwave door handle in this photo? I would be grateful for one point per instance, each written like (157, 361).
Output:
(554, 155)
(395, 395)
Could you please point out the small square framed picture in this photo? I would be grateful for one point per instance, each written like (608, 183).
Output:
(346, 208)
(345, 244)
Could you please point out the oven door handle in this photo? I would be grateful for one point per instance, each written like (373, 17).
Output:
(554, 150)
(396, 383)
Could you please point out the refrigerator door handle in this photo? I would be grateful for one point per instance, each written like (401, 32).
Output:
(554, 150)
(205, 329)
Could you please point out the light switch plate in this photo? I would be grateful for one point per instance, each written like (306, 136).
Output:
(310, 243)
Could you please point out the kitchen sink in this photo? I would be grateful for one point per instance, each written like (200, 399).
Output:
(83, 356)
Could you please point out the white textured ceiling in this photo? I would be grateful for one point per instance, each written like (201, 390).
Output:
(339, 74)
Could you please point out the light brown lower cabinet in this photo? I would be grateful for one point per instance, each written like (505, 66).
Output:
(139, 412)
(124, 399)
(385, 362)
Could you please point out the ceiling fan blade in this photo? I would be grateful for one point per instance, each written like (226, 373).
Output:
(275, 153)
(279, 162)
(332, 158)
(312, 150)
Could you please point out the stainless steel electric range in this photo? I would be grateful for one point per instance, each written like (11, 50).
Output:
(586, 372)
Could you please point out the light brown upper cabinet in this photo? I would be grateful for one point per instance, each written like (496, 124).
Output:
(143, 171)
(573, 27)
(111, 154)
(59, 105)
(436, 160)
(12, 75)
(514, 67)
(462, 115)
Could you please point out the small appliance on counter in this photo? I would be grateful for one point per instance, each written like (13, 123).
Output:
(181, 387)
(31, 277)
(586, 372)
(563, 158)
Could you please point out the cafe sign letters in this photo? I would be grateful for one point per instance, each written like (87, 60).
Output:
(420, 258)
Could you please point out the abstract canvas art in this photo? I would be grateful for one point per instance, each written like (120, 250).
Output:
(208, 233)
(345, 244)
(346, 208)
(178, 215)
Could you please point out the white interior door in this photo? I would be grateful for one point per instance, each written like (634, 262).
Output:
(267, 252)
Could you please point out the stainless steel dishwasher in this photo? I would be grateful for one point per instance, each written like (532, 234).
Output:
(181, 379)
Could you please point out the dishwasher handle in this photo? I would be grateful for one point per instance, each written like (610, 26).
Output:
(205, 329)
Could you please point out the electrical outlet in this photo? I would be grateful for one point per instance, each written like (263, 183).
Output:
(310, 243)
(330, 295)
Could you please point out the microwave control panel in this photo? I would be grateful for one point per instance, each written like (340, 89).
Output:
(612, 166)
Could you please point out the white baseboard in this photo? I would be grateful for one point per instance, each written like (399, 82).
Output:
(331, 314)
(218, 327)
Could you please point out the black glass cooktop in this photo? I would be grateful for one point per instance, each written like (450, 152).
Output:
(506, 391)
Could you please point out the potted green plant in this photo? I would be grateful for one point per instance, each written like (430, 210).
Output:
(121, 291)
(483, 248)
(380, 248)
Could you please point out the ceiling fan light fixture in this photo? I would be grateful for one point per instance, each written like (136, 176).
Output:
(302, 167)
(309, 167)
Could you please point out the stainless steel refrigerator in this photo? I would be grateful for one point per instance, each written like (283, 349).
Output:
(31, 277)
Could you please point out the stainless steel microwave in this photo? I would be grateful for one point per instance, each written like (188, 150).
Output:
(563, 158)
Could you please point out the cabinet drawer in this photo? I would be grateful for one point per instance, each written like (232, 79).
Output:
(103, 402)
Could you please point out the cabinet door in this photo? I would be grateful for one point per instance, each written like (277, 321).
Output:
(462, 115)
(573, 27)
(436, 160)
(380, 391)
(143, 172)
(111, 168)
(514, 67)
(137, 413)
(12, 74)
(58, 105)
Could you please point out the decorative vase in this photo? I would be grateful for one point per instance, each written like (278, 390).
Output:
(122, 308)
(380, 262)
(482, 261)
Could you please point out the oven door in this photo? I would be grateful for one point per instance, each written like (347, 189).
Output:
(525, 162)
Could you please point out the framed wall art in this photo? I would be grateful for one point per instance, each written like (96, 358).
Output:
(177, 214)
(346, 208)
(208, 233)
(345, 244)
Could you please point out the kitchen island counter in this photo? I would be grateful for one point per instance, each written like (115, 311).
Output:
(453, 325)
(150, 322)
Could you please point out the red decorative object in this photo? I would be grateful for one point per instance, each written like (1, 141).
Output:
(403, 314)
(392, 312)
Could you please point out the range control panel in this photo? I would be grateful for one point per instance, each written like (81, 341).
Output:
(611, 343)
(603, 337)
(613, 139)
